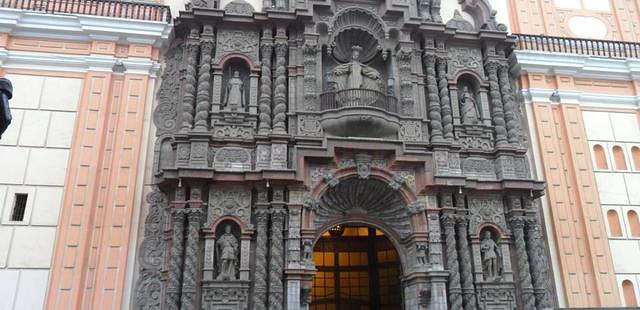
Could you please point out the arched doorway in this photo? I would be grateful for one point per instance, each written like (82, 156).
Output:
(358, 268)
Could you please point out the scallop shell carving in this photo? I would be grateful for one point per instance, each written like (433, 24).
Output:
(356, 26)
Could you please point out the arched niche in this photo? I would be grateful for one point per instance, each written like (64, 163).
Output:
(164, 153)
(235, 80)
(248, 74)
(483, 14)
(491, 253)
(226, 234)
(465, 86)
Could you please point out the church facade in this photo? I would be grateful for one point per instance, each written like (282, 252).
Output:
(342, 154)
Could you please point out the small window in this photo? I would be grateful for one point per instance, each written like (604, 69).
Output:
(635, 153)
(629, 294)
(601, 159)
(618, 157)
(614, 223)
(634, 223)
(19, 207)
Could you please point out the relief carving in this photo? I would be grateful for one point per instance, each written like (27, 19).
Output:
(483, 210)
(237, 41)
(229, 202)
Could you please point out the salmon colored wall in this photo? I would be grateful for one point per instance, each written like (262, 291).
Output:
(583, 250)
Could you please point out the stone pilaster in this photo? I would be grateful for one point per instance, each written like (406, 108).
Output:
(260, 276)
(509, 104)
(190, 282)
(497, 112)
(445, 102)
(280, 85)
(276, 259)
(189, 95)
(524, 276)
(455, 297)
(264, 103)
(204, 79)
(310, 55)
(176, 260)
(403, 57)
(537, 260)
(468, 290)
(435, 117)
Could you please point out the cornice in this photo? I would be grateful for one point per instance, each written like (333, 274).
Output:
(76, 63)
(580, 66)
(570, 96)
(83, 27)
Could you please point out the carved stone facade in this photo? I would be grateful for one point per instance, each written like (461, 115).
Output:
(264, 143)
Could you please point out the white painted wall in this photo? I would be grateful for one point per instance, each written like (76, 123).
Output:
(618, 190)
(35, 152)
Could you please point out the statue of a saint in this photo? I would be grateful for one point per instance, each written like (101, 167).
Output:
(490, 257)
(468, 107)
(307, 251)
(355, 74)
(234, 95)
(422, 253)
(227, 246)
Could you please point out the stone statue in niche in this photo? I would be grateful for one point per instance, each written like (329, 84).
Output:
(491, 257)
(227, 255)
(234, 95)
(422, 253)
(307, 251)
(468, 107)
(355, 74)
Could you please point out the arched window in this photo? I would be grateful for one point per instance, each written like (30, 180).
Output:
(635, 153)
(601, 159)
(618, 158)
(634, 224)
(629, 294)
(614, 223)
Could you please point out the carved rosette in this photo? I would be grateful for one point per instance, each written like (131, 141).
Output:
(310, 51)
(517, 226)
(276, 259)
(175, 264)
(509, 104)
(204, 79)
(151, 254)
(188, 98)
(189, 281)
(434, 100)
(265, 89)
(403, 57)
(455, 297)
(445, 102)
(280, 89)
(497, 113)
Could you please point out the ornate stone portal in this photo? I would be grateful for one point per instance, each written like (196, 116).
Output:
(265, 122)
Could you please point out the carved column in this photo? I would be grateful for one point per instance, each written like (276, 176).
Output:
(445, 103)
(468, 290)
(497, 113)
(260, 276)
(188, 98)
(264, 104)
(434, 101)
(176, 260)
(517, 227)
(509, 103)
(455, 296)
(276, 259)
(425, 9)
(406, 86)
(204, 79)
(537, 259)
(435, 11)
(310, 51)
(189, 282)
(280, 86)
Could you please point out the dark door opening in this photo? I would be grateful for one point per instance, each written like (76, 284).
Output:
(358, 269)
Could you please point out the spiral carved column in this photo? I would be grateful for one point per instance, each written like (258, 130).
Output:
(509, 103)
(434, 101)
(260, 276)
(517, 227)
(455, 296)
(445, 102)
(189, 96)
(176, 260)
(468, 291)
(204, 79)
(539, 264)
(189, 282)
(265, 89)
(497, 113)
(276, 259)
(280, 92)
